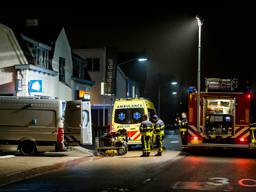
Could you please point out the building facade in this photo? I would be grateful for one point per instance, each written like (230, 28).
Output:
(31, 65)
(110, 80)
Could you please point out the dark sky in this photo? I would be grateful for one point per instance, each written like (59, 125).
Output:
(166, 30)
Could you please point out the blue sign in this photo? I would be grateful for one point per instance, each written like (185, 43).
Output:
(35, 86)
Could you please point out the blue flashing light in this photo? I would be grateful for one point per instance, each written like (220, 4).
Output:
(121, 116)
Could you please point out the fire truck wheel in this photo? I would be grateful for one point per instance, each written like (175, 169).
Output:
(27, 148)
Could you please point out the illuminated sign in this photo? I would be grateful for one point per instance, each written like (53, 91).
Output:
(122, 106)
(35, 86)
(82, 94)
(221, 84)
(110, 73)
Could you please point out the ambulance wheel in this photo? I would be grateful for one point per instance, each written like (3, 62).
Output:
(27, 148)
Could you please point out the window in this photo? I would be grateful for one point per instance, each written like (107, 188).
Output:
(96, 64)
(89, 64)
(62, 69)
(76, 68)
(129, 116)
(219, 106)
(40, 54)
(93, 64)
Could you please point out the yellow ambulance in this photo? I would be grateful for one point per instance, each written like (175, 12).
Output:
(127, 114)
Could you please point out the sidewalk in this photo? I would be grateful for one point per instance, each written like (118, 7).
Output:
(17, 168)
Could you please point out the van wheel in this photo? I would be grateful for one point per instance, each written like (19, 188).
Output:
(27, 148)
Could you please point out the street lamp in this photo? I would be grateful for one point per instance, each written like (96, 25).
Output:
(174, 84)
(141, 60)
(199, 23)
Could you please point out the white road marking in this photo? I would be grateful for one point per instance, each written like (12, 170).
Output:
(147, 180)
(6, 156)
(247, 183)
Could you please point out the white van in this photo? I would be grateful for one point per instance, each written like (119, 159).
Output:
(31, 124)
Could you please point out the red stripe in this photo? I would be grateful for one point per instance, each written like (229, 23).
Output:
(243, 133)
(239, 129)
(137, 136)
(131, 133)
(192, 130)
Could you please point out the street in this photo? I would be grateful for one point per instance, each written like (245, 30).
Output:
(174, 171)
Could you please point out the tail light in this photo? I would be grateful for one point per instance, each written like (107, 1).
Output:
(248, 96)
(242, 139)
(195, 140)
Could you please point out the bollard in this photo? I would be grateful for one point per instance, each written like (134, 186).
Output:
(97, 142)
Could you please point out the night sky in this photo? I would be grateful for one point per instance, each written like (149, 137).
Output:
(166, 30)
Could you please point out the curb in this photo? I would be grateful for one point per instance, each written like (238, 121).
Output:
(30, 173)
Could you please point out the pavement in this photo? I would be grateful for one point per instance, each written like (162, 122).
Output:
(14, 168)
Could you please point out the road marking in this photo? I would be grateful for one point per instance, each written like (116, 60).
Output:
(247, 182)
(192, 185)
(174, 142)
(147, 180)
(218, 181)
(214, 183)
(6, 156)
(119, 189)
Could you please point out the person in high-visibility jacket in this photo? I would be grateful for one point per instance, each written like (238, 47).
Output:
(159, 133)
(146, 129)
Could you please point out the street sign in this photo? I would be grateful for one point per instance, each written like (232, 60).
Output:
(35, 86)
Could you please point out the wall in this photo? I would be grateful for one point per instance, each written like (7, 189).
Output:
(97, 77)
(48, 83)
(121, 84)
(7, 80)
(10, 51)
(10, 55)
(62, 49)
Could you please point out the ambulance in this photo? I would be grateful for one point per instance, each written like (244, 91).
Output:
(127, 114)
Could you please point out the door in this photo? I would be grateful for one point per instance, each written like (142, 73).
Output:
(86, 126)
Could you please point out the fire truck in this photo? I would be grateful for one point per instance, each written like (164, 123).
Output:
(224, 117)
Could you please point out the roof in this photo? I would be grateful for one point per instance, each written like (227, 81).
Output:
(45, 35)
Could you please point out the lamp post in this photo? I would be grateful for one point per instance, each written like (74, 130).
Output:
(199, 23)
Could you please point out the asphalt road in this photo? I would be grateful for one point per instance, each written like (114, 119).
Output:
(218, 171)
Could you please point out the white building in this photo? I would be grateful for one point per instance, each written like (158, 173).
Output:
(38, 61)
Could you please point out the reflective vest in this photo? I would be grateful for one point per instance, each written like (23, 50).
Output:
(159, 127)
(146, 128)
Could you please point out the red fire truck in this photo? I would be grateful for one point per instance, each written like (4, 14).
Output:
(224, 117)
